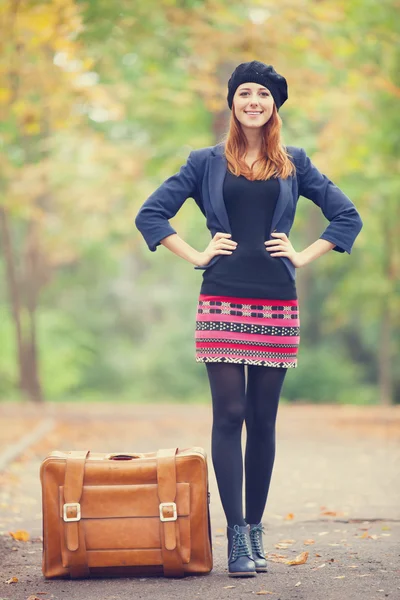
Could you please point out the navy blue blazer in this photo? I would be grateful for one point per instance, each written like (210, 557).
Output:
(201, 178)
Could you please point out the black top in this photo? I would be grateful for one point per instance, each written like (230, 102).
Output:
(250, 271)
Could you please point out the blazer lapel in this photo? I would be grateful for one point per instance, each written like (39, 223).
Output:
(218, 165)
(217, 170)
(285, 190)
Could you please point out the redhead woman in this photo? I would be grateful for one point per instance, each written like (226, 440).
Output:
(247, 316)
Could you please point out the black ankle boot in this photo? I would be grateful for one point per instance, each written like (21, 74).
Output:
(240, 561)
(256, 531)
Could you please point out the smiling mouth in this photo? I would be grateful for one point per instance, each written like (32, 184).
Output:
(253, 112)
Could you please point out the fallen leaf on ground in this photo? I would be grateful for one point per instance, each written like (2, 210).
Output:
(281, 558)
(320, 566)
(289, 516)
(12, 580)
(264, 593)
(331, 513)
(229, 587)
(297, 584)
(20, 534)
(366, 535)
(299, 560)
(308, 542)
(340, 577)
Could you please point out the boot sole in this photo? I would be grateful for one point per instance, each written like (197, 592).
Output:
(262, 570)
(243, 574)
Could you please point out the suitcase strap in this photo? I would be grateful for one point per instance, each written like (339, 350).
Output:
(74, 534)
(169, 529)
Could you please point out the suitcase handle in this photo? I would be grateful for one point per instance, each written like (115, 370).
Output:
(125, 456)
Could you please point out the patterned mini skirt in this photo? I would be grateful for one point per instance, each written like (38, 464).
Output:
(253, 331)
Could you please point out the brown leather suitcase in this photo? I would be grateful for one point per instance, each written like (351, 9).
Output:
(126, 514)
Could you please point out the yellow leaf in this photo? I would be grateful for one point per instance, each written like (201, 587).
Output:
(12, 580)
(299, 560)
(4, 95)
(20, 534)
(87, 63)
(32, 128)
(20, 107)
(330, 513)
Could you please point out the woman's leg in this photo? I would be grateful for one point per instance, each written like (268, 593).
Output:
(227, 383)
(264, 386)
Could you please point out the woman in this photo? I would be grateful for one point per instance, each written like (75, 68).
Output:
(247, 311)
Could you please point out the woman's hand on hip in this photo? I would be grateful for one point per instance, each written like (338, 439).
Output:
(220, 244)
(283, 247)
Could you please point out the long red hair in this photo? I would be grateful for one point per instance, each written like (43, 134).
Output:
(275, 160)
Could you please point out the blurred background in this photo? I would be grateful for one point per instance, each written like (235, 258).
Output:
(100, 102)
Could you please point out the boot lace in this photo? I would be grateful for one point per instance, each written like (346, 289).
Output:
(240, 546)
(256, 539)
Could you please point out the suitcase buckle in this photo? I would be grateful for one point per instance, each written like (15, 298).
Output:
(170, 504)
(75, 505)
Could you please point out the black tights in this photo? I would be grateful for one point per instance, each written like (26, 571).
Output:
(257, 406)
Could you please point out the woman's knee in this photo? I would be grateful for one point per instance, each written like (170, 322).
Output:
(230, 417)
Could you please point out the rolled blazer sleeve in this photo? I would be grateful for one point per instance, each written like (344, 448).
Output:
(164, 203)
(345, 221)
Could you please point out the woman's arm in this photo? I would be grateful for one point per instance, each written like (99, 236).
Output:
(164, 203)
(345, 221)
(282, 246)
(181, 248)
(313, 251)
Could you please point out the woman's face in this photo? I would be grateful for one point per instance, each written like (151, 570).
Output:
(253, 98)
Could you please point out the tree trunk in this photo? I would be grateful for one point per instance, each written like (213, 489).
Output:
(385, 355)
(385, 338)
(220, 121)
(31, 293)
(29, 382)
(309, 320)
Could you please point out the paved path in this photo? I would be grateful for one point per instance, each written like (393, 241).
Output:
(335, 481)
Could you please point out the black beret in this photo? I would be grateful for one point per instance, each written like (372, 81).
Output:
(258, 72)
